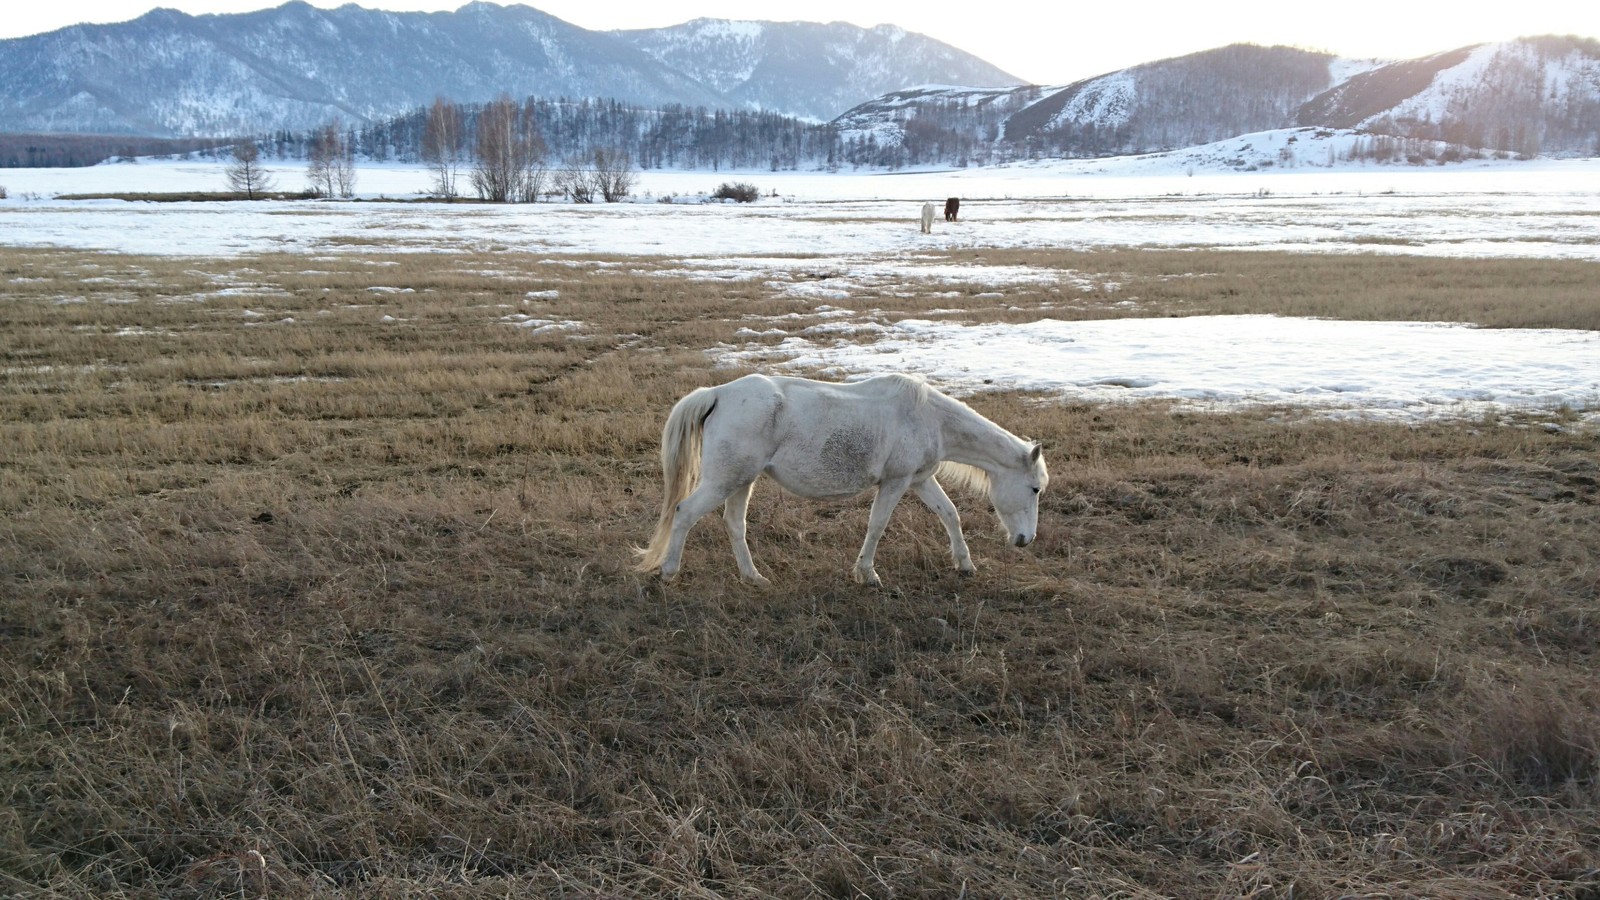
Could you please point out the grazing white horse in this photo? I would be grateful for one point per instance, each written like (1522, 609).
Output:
(927, 218)
(824, 440)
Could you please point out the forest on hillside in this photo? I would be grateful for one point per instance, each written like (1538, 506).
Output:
(36, 151)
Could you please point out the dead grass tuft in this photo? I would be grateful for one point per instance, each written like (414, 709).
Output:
(1536, 736)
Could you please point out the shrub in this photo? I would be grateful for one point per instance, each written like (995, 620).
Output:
(2, 192)
(742, 192)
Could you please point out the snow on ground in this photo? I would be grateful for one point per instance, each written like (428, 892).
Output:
(860, 231)
(1404, 371)
(1539, 209)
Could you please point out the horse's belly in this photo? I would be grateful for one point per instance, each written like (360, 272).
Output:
(844, 463)
(804, 485)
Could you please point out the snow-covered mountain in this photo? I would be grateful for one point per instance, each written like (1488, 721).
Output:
(1180, 102)
(1163, 105)
(1532, 95)
(1529, 96)
(806, 68)
(296, 66)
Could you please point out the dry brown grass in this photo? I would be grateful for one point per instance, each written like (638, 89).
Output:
(1495, 293)
(344, 607)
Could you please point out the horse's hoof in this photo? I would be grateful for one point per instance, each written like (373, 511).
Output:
(757, 580)
(966, 573)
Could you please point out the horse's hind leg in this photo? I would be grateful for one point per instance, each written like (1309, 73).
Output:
(733, 514)
(724, 476)
(690, 509)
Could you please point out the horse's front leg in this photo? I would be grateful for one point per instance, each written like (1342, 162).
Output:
(889, 494)
(937, 500)
(733, 514)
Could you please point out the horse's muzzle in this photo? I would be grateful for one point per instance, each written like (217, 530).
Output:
(1022, 540)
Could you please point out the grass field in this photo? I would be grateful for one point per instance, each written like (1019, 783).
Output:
(343, 606)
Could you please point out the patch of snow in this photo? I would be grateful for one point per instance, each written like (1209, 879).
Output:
(540, 326)
(1403, 371)
(1107, 102)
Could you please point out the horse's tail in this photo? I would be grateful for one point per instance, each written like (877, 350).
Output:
(680, 467)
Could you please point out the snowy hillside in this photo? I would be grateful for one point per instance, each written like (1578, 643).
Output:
(1162, 105)
(774, 65)
(1529, 96)
(1525, 97)
(1290, 149)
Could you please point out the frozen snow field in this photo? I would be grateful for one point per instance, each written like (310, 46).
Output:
(863, 225)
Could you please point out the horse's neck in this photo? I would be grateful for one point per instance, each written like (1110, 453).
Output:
(970, 438)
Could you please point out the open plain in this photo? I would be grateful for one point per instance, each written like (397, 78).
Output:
(315, 571)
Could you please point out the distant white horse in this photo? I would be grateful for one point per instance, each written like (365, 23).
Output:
(927, 218)
(824, 440)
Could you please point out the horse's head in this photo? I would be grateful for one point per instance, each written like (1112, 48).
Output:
(1014, 491)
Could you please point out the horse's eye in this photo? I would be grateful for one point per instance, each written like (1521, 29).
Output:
(1036, 490)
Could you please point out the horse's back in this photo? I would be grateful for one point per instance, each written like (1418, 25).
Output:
(826, 439)
(875, 394)
(786, 407)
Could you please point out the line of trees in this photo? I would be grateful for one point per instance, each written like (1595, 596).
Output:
(496, 150)
(330, 166)
(27, 151)
(444, 136)
(501, 152)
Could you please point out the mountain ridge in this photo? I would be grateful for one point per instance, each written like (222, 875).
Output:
(1526, 96)
(294, 66)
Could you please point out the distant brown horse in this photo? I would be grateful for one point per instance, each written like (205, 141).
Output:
(951, 207)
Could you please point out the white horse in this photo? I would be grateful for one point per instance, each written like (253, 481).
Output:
(927, 218)
(823, 440)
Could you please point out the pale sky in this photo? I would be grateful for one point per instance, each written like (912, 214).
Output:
(1041, 43)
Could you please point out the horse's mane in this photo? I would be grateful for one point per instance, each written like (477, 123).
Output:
(910, 385)
(963, 476)
(898, 385)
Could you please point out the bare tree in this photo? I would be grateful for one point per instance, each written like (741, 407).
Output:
(245, 174)
(534, 172)
(344, 166)
(320, 155)
(534, 178)
(508, 149)
(574, 181)
(613, 174)
(330, 162)
(444, 146)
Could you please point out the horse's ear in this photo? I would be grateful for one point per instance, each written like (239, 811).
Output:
(1038, 450)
